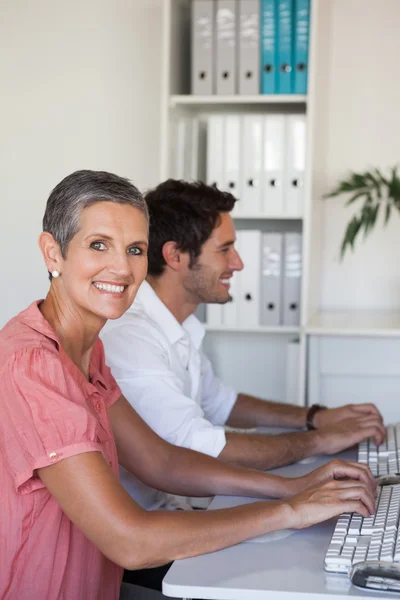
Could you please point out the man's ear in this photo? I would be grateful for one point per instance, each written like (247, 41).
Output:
(51, 252)
(175, 258)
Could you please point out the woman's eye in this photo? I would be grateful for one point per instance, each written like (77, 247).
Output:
(98, 245)
(135, 251)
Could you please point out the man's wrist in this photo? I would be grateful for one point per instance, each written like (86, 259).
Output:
(312, 415)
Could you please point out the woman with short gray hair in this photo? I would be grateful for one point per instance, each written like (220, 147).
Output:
(69, 526)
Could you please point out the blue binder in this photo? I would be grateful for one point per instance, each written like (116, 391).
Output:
(268, 47)
(301, 36)
(284, 54)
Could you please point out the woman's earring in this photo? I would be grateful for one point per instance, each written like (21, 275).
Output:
(55, 274)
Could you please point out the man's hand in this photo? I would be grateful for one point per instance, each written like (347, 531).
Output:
(335, 469)
(330, 416)
(344, 434)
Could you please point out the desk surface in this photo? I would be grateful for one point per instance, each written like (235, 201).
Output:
(276, 569)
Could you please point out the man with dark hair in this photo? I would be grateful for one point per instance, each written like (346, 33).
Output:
(155, 349)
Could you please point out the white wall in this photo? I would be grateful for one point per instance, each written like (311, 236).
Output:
(363, 130)
(80, 88)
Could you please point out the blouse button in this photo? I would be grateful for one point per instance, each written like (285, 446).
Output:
(53, 456)
(98, 406)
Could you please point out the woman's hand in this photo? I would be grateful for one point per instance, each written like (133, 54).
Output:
(330, 499)
(335, 470)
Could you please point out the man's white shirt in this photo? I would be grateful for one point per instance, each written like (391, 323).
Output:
(164, 374)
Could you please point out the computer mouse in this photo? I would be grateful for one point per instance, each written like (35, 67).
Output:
(391, 479)
(376, 575)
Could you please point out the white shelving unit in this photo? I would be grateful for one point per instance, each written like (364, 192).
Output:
(251, 358)
(260, 329)
(344, 58)
(188, 100)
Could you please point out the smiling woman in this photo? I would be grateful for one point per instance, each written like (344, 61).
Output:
(70, 526)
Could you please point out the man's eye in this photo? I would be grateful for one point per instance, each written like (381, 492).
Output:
(135, 251)
(98, 245)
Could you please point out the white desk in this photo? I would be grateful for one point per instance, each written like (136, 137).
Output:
(289, 568)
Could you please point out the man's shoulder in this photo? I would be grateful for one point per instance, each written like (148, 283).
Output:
(135, 326)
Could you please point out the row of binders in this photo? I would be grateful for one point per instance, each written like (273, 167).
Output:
(260, 159)
(249, 47)
(267, 291)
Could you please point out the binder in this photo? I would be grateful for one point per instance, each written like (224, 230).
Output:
(215, 151)
(248, 308)
(194, 140)
(249, 47)
(301, 37)
(268, 47)
(180, 148)
(284, 54)
(202, 35)
(231, 156)
(229, 310)
(292, 372)
(295, 166)
(214, 315)
(292, 271)
(252, 144)
(186, 160)
(226, 23)
(201, 313)
(273, 165)
(271, 279)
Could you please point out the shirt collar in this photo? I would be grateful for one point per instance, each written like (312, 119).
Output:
(151, 304)
(33, 318)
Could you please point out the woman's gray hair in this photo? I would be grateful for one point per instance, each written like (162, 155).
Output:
(80, 190)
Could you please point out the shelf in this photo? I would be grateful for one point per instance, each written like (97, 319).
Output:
(261, 329)
(355, 323)
(276, 99)
(268, 217)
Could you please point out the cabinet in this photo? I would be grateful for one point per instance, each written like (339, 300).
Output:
(352, 52)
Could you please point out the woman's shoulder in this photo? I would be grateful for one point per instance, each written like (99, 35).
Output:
(26, 332)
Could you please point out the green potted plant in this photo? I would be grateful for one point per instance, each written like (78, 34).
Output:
(378, 194)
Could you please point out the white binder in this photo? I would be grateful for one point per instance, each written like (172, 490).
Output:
(249, 247)
(249, 47)
(226, 24)
(292, 271)
(229, 310)
(203, 40)
(273, 165)
(252, 144)
(295, 164)
(292, 372)
(215, 150)
(186, 157)
(271, 279)
(231, 155)
(214, 315)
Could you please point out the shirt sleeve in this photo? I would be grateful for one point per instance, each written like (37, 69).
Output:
(218, 398)
(141, 367)
(44, 416)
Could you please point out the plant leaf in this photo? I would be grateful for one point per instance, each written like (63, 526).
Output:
(355, 197)
(350, 235)
(387, 213)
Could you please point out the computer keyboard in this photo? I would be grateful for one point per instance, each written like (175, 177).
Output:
(357, 539)
(383, 459)
(368, 548)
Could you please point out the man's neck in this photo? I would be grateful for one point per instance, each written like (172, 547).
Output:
(174, 296)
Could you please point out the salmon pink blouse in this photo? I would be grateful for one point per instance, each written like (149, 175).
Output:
(49, 412)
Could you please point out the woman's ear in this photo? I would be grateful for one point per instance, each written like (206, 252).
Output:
(51, 252)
